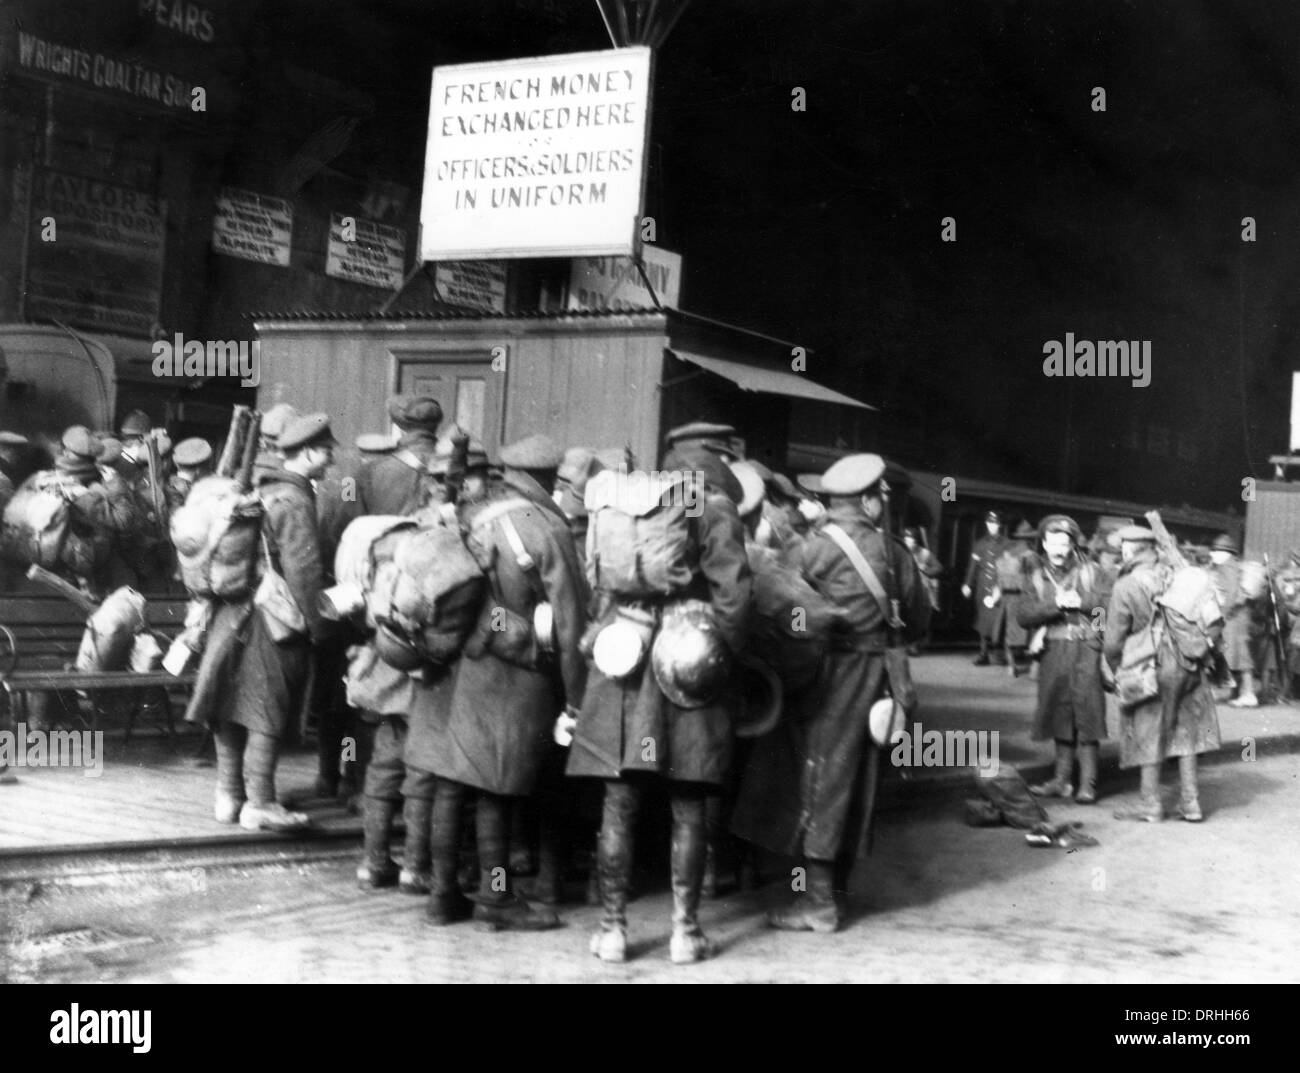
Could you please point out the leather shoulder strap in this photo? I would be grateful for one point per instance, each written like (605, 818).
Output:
(411, 460)
(860, 564)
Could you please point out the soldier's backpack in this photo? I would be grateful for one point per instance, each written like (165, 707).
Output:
(1192, 615)
(35, 524)
(216, 535)
(791, 624)
(426, 591)
(638, 535)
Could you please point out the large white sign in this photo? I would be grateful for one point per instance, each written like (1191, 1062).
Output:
(253, 226)
(539, 157)
(363, 251)
(616, 283)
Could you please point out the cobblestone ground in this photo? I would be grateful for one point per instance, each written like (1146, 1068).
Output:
(938, 901)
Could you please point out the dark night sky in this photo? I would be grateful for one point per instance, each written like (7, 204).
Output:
(825, 226)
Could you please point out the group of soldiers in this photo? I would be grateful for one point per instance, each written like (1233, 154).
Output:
(552, 751)
(119, 490)
(1077, 611)
(528, 731)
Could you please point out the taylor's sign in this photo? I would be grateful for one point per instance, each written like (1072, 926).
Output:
(363, 251)
(253, 226)
(616, 283)
(536, 158)
(95, 258)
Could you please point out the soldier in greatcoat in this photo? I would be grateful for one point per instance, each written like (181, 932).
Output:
(255, 707)
(1066, 593)
(1180, 720)
(400, 481)
(1010, 569)
(1225, 560)
(628, 729)
(981, 585)
(508, 690)
(813, 796)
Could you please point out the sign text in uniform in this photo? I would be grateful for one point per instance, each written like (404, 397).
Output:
(540, 157)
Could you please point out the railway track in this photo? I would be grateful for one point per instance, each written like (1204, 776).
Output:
(99, 863)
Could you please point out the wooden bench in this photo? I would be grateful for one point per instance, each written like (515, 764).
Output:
(38, 644)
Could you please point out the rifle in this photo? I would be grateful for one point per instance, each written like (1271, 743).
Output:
(457, 465)
(155, 489)
(1283, 674)
(76, 597)
(1165, 542)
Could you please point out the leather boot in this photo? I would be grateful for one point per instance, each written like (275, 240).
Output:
(689, 849)
(713, 836)
(1149, 808)
(447, 904)
(1189, 806)
(1059, 785)
(1087, 794)
(377, 868)
(813, 909)
(547, 886)
(415, 877)
(496, 906)
(614, 869)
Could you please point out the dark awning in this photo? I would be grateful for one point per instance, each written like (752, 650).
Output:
(768, 381)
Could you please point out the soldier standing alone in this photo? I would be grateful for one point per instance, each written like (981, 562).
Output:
(980, 584)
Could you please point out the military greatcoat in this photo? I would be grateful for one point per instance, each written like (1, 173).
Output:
(506, 694)
(629, 725)
(1181, 720)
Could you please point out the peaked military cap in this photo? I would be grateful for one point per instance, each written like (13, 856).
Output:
(579, 464)
(276, 420)
(811, 483)
(700, 430)
(375, 443)
(1136, 533)
(1225, 542)
(751, 484)
(310, 430)
(80, 441)
(192, 452)
(853, 474)
(415, 411)
(1024, 531)
(783, 485)
(993, 516)
(532, 452)
(136, 423)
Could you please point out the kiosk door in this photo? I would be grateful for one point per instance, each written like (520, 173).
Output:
(468, 391)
